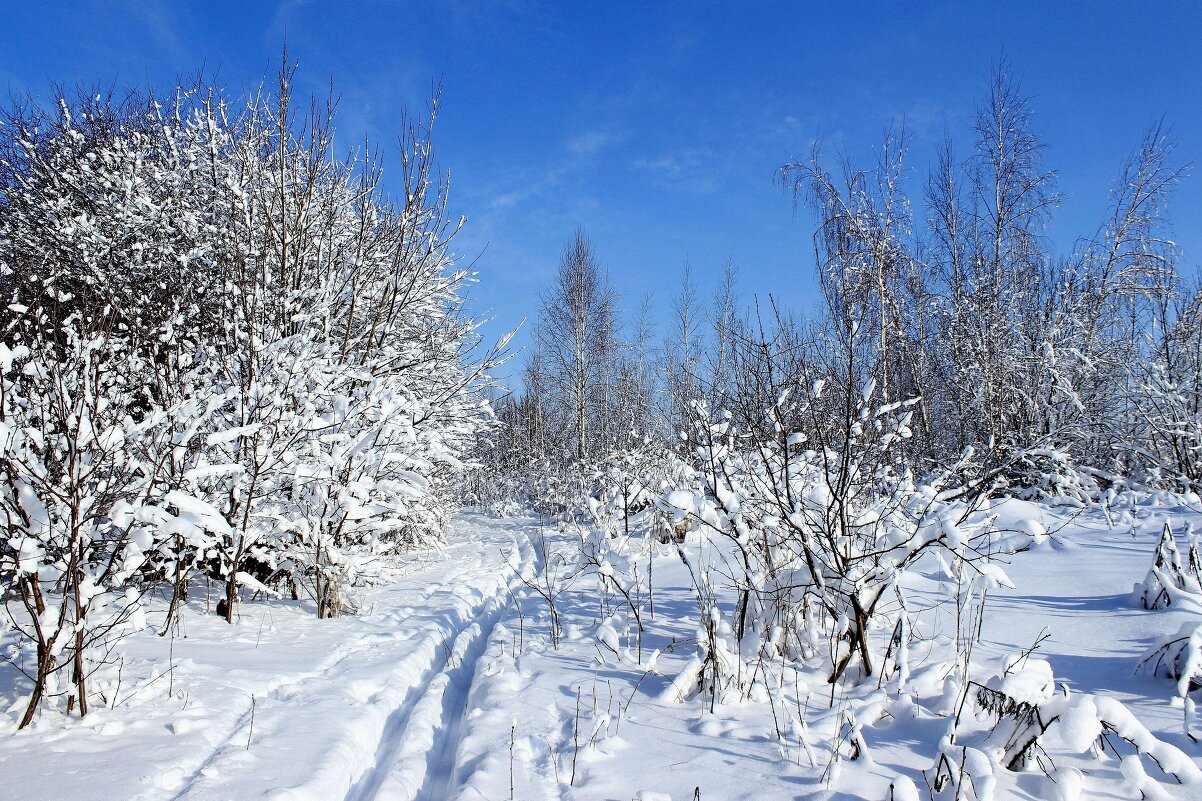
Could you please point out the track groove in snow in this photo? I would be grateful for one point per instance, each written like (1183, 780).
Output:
(416, 756)
(400, 740)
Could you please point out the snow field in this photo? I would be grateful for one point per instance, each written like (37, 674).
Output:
(447, 687)
(338, 711)
(633, 738)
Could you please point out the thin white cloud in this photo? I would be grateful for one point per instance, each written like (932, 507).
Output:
(695, 169)
(594, 141)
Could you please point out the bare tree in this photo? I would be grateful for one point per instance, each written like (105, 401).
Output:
(577, 336)
(682, 357)
(860, 244)
(725, 324)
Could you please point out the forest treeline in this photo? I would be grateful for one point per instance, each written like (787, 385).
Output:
(1031, 372)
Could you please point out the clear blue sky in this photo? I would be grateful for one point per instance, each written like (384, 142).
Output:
(659, 127)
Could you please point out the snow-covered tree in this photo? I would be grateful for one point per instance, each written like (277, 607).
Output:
(224, 350)
(577, 338)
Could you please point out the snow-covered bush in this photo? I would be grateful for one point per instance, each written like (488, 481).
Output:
(1177, 657)
(223, 350)
(1047, 474)
(1019, 704)
(1170, 581)
(629, 481)
(1173, 582)
(1017, 697)
(816, 537)
(98, 222)
(73, 488)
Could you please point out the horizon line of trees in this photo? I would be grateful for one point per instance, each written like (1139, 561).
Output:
(1036, 372)
(956, 358)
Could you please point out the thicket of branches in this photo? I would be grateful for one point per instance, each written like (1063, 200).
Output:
(955, 358)
(1035, 372)
(225, 351)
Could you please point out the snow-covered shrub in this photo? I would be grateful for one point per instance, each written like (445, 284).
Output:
(1017, 696)
(355, 401)
(621, 564)
(816, 538)
(1020, 704)
(1119, 724)
(223, 351)
(1169, 579)
(99, 221)
(1048, 474)
(628, 482)
(1177, 657)
(73, 489)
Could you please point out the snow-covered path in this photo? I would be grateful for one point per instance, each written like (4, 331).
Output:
(361, 708)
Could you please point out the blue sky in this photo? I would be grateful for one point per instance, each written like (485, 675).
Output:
(659, 127)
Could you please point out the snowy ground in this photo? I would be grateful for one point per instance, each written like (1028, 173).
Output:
(284, 706)
(447, 686)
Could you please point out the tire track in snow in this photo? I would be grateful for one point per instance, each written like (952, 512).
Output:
(417, 758)
(417, 754)
(433, 657)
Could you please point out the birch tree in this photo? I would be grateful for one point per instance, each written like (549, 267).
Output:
(577, 338)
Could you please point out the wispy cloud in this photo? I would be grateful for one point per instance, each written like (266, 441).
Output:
(694, 169)
(160, 22)
(578, 153)
(526, 185)
(595, 140)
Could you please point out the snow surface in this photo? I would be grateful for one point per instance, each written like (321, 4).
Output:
(447, 686)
